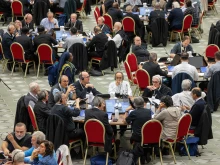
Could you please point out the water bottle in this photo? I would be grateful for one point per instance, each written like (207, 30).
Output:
(148, 105)
(119, 106)
(90, 97)
(116, 110)
(153, 108)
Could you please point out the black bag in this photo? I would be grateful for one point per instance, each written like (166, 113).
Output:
(194, 40)
(125, 158)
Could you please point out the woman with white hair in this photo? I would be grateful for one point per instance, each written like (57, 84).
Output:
(175, 17)
(17, 158)
(158, 89)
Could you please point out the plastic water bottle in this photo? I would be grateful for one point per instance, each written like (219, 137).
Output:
(90, 97)
(153, 108)
(119, 106)
(116, 110)
(148, 105)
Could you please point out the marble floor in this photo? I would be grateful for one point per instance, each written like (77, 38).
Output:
(19, 86)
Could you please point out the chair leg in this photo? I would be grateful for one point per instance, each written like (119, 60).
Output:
(135, 91)
(106, 163)
(161, 158)
(139, 161)
(186, 149)
(171, 148)
(13, 68)
(34, 67)
(153, 154)
(38, 70)
(81, 145)
(26, 69)
(171, 36)
(180, 36)
(84, 163)
(4, 65)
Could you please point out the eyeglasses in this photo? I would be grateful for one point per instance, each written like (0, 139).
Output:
(155, 82)
(118, 77)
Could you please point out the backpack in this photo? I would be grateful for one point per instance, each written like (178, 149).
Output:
(126, 158)
(52, 74)
(100, 160)
(192, 145)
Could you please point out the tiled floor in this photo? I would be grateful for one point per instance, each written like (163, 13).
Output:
(19, 87)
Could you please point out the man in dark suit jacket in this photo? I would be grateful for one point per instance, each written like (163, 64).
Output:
(115, 13)
(41, 110)
(97, 112)
(152, 67)
(27, 21)
(98, 41)
(84, 87)
(198, 107)
(139, 26)
(104, 28)
(31, 98)
(74, 22)
(26, 43)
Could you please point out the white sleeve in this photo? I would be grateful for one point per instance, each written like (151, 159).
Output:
(196, 75)
(129, 89)
(176, 100)
(111, 88)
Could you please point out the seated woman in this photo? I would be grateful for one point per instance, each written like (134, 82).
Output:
(46, 150)
(66, 67)
(169, 116)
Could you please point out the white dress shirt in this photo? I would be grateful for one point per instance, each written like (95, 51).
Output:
(124, 88)
(117, 39)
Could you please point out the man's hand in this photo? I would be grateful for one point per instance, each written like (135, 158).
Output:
(10, 137)
(89, 85)
(71, 88)
(151, 88)
(118, 83)
(172, 55)
(8, 163)
(34, 154)
(108, 35)
(6, 152)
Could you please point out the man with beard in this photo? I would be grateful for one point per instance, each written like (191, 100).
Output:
(18, 139)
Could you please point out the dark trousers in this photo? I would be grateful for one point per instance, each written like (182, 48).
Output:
(122, 129)
(77, 133)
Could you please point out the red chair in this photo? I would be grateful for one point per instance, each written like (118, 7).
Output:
(76, 143)
(128, 25)
(151, 134)
(108, 21)
(182, 3)
(4, 60)
(96, 16)
(132, 61)
(81, 10)
(186, 27)
(45, 55)
(33, 118)
(17, 52)
(95, 136)
(210, 51)
(17, 9)
(181, 134)
(211, 5)
(131, 77)
(96, 9)
(143, 79)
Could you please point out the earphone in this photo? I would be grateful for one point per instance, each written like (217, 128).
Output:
(81, 77)
(121, 74)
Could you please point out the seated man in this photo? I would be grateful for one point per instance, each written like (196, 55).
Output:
(18, 27)
(66, 114)
(84, 87)
(17, 158)
(98, 42)
(120, 87)
(74, 22)
(198, 107)
(73, 39)
(31, 98)
(152, 66)
(192, 11)
(42, 110)
(139, 50)
(28, 22)
(133, 3)
(181, 47)
(17, 140)
(119, 34)
(97, 112)
(104, 28)
(138, 117)
(157, 89)
(62, 85)
(49, 22)
(115, 13)
(213, 68)
(184, 67)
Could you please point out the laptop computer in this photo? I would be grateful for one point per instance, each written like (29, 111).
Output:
(59, 34)
(196, 61)
(110, 106)
(82, 113)
(170, 68)
(203, 69)
(142, 11)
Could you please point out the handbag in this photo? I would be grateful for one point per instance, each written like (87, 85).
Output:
(100, 160)
(125, 158)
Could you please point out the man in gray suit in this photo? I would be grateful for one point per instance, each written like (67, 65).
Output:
(73, 39)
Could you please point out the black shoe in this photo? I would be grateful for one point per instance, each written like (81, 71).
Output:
(117, 144)
(9, 66)
(148, 158)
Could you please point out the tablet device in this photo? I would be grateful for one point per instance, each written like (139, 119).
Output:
(110, 106)
(82, 113)
(203, 69)
(170, 68)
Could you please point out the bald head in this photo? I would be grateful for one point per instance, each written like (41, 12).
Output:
(129, 9)
(117, 26)
(11, 28)
(137, 41)
(73, 17)
(84, 77)
(101, 21)
(97, 30)
(64, 81)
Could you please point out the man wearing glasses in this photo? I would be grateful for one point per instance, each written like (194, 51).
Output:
(84, 87)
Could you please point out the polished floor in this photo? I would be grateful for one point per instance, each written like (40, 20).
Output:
(19, 86)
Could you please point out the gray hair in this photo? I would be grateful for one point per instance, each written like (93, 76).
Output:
(186, 85)
(158, 77)
(97, 101)
(58, 96)
(176, 5)
(153, 57)
(42, 95)
(40, 136)
(139, 102)
(18, 155)
(33, 86)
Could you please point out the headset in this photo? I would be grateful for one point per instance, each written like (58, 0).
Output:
(121, 74)
(81, 77)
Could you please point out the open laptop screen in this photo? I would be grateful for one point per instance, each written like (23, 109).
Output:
(196, 61)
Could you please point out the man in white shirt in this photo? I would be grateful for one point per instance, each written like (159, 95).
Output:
(119, 33)
(49, 22)
(119, 86)
(184, 67)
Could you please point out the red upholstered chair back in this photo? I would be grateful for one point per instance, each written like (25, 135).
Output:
(17, 8)
(143, 78)
(17, 52)
(183, 126)
(132, 62)
(45, 54)
(83, 6)
(128, 24)
(95, 131)
(33, 118)
(96, 9)
(187, 22)
(211, 50)
(151, 132)
(96, 16)
(108, 21)
(128, 71)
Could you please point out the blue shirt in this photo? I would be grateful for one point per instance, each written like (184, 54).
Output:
(49, 25)
(47, 160)
(213, 68)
